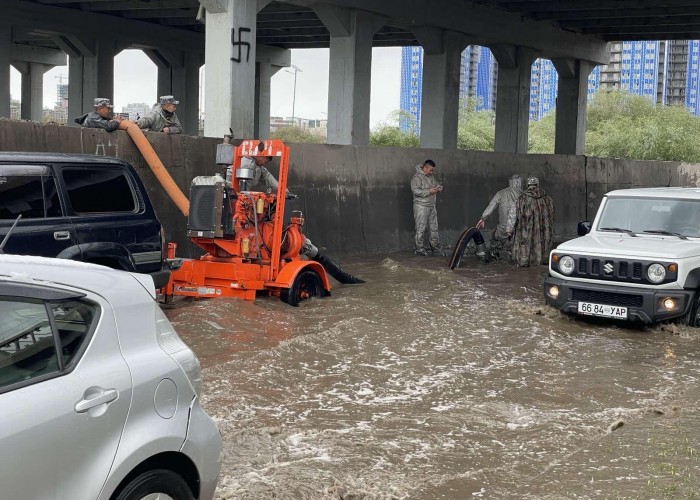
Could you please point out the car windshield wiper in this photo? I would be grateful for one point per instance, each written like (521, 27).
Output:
(666, 233)
(619, 230)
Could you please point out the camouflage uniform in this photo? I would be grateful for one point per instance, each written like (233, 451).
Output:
(504, 200)
(424, 211)
(95, 120)
(158, 119)
(259, 173)
(531, 222)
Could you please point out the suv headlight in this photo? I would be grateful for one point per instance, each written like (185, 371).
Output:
(566, 265)
(656, 273)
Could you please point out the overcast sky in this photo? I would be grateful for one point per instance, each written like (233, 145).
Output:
(136, 75)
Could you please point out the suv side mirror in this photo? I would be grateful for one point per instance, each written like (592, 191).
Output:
(584, 227)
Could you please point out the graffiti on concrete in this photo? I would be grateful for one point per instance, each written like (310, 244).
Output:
(238, 42)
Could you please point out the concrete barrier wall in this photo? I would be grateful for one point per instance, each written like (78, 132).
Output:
(357, 200)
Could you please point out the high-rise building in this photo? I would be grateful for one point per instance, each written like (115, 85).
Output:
(478, 75)
(666, 71)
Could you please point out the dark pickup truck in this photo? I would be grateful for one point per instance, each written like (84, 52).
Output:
(81, 207)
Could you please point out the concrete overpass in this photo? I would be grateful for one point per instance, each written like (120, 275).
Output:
(243, 43)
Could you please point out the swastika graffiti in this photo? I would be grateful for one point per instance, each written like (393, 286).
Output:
(240, 44)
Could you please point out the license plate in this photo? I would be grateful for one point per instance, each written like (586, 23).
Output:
(602, 310)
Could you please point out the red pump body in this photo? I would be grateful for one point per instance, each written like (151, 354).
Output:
(258, 254)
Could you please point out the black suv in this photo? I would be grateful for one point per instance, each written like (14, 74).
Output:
(81, 207)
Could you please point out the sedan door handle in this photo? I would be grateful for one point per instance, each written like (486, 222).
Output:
(61, 235)
(100, 399)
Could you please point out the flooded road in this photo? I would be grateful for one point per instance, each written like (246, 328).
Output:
(426, 383)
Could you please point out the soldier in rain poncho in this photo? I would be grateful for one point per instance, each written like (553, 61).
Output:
(503, 200)
(531, 222)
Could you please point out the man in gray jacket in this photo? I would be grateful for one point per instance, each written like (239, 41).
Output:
(425, 188)
(162, 117)
(102, 117)
(503, 200)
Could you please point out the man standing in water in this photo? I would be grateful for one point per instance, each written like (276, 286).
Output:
(531, 222)
(503, 200)
(425, 188)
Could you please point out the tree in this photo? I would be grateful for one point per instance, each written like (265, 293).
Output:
(624, 125)
(388, 133)
(297, 135)
(476, 129)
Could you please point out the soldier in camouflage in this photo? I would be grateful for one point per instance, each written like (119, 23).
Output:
(425, 187)
(531, 224)
(102, 117)
(162, 117)
(503, 200)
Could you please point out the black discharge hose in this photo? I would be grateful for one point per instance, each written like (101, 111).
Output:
(468, 235)
(334, 270)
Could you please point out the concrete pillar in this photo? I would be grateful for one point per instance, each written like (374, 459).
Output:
(441, 75)
(512, 98)
(350, 72)
(90, 71)
(32, 89)
(5, 48)
(230, 68)
(265, 72)
(269, 60)
(572, 95)
(178, 75)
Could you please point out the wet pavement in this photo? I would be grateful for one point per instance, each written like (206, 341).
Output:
(426, 383)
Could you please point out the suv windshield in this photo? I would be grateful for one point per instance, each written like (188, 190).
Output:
(651, 215)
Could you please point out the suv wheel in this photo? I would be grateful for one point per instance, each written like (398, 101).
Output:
(159, 484)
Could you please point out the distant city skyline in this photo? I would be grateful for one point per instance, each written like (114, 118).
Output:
(136, 82)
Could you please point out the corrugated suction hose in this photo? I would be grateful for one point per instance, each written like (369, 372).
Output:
(156, 165)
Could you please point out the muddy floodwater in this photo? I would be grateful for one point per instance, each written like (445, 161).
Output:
(426, 383)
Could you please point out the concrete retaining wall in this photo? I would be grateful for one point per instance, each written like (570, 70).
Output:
(357, 200)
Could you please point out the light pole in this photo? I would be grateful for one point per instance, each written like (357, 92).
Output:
(296, 69)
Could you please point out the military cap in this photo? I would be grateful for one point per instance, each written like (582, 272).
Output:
(167, 99)
(102, 101)
(533, 181)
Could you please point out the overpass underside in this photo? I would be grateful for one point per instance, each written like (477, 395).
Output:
(244, 42)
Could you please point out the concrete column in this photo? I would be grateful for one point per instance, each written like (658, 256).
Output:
(572, 96)
(178, 75)
(230, 68)
(5, 48)
(441, 75)
(32, 89)
(90, 71)
(350, 72)
(512, 98)
(264, 74)
(269, 60)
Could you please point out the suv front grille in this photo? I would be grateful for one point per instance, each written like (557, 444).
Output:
(612, 269)
(609, 298)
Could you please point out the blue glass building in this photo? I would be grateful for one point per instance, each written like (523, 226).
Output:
(667, 72)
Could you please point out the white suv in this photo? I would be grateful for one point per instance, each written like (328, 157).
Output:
(99, 397)
(639, 261)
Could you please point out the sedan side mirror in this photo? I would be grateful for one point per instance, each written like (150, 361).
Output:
(584, 227)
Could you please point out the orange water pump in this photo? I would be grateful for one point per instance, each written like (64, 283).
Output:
(249, 250)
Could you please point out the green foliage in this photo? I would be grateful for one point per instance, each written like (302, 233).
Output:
(389, 134)
(541, 134)
(476, 129)
(624, 125)
(297, 135)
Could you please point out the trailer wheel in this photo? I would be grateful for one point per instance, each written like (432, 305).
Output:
(306, 285)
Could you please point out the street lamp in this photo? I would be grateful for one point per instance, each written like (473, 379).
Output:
(296, 69)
